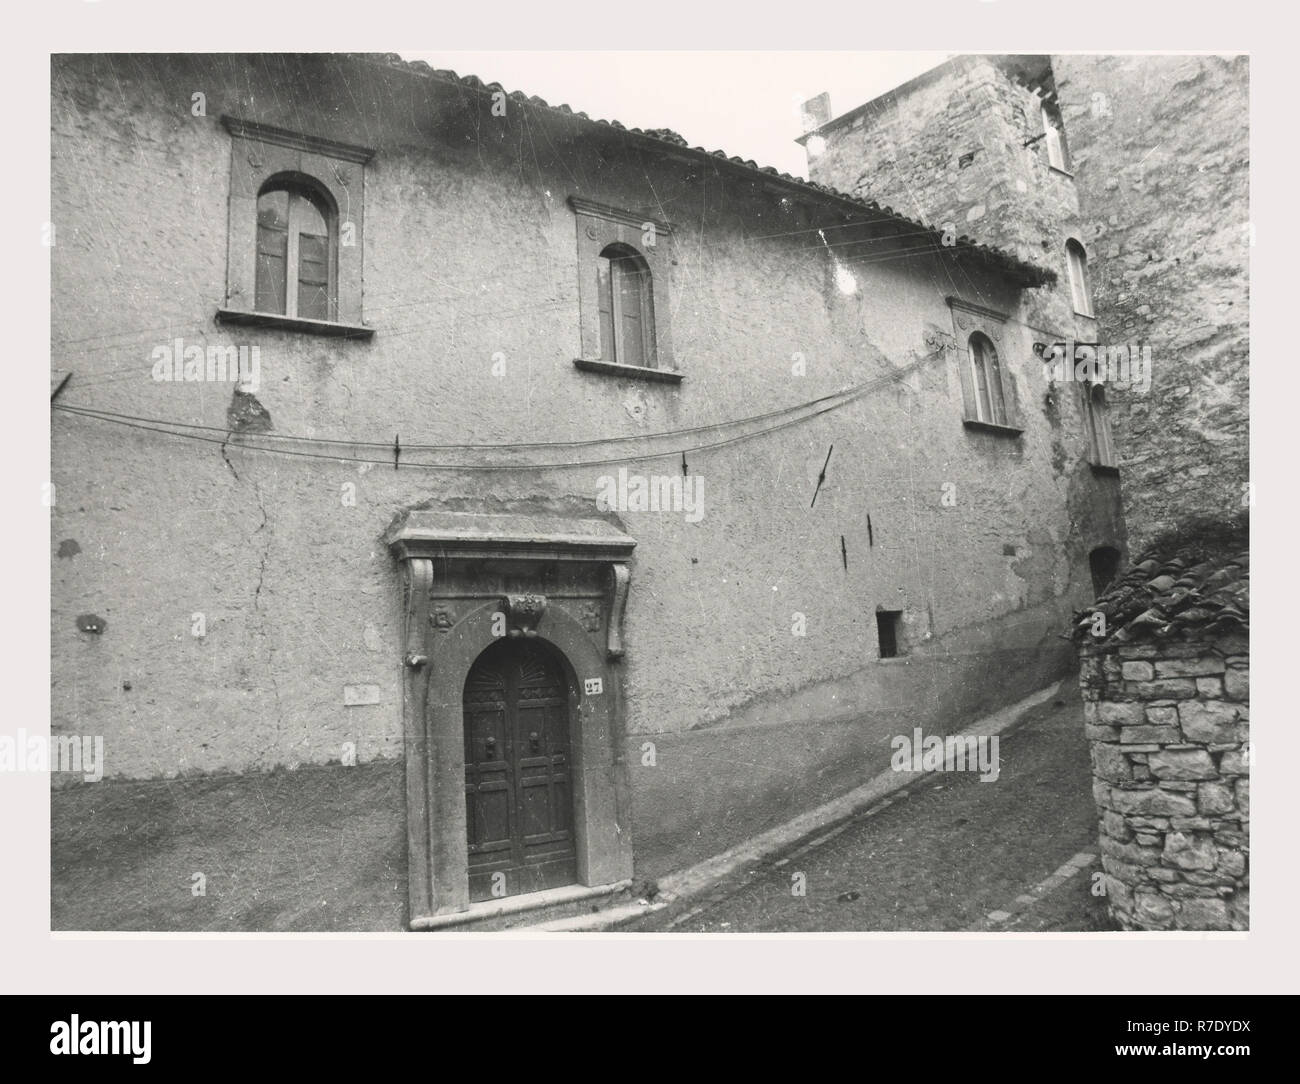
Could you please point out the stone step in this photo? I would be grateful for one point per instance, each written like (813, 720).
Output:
(538, 909)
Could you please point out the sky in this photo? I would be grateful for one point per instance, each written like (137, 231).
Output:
(744, 103)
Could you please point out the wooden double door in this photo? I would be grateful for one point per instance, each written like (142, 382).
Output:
(518, 772)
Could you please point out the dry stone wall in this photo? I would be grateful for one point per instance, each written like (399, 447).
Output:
(1169, 728)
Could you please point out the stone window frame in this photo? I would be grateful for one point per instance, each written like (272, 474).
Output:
(261, 153)
(969, 320)
(599, 226)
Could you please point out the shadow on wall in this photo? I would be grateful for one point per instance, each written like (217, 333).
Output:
(319, 848)
(697, 793)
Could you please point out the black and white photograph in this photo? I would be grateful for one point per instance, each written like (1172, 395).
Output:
(480, 512)
(647, 492)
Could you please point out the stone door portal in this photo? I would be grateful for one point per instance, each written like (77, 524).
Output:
(518, 764)
(512, 704)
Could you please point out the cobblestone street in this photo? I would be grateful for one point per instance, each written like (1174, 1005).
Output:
(948, 853)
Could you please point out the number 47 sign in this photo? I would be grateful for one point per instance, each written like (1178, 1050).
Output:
(593, 686)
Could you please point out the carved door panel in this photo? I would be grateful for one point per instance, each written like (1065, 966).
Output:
(518, 794)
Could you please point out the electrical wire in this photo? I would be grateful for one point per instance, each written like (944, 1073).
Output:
(92, 411)
(250, 441)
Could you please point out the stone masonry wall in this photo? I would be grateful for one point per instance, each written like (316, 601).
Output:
(1169, 728)
(1161, 151)
(962, 145)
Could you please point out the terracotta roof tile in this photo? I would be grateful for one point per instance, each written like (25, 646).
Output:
(1022, 271)
(1179, 589)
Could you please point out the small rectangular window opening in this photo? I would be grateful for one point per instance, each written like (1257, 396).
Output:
(888, 623)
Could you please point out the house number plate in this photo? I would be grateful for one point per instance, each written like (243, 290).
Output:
(593, 686)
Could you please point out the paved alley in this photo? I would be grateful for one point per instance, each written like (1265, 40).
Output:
(949, 853)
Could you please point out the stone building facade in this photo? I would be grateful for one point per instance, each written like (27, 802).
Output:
(1129, 175)
(978, 145)
(1161, 152)
(1165, 675)
(575, 474)
(963, 145)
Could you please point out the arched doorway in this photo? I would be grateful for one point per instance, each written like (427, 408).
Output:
(518, 771)
(559, 585)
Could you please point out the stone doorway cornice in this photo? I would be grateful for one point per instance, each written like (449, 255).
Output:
(480, 535)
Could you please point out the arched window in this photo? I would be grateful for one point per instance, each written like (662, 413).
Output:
(1103, 563)
(1077, 261)
(627, 319)
(1103, 449)
(297, 247)
(986, 375)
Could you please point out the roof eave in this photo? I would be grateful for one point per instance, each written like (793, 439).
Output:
(1018, 271)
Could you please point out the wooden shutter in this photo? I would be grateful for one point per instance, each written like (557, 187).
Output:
(968, 393)
(1010, 398)
(1099, 419)
(983, 384)
(650, 347)
(1078, 263)
(310, 252)
(632, 282)
(313, 276)
(1003, 395)
(1058, 154)
(272, 252)
(998, 405)
(605, 305)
